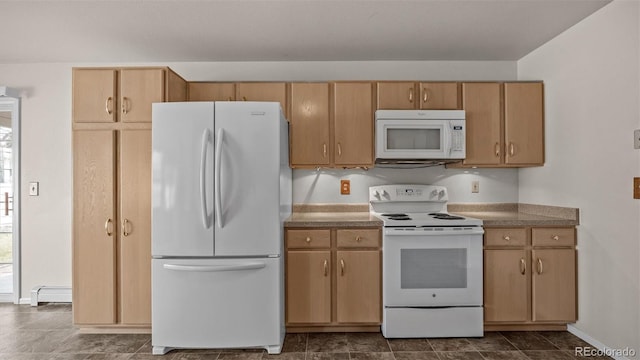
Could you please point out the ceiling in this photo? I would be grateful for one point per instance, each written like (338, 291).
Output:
(282, 30)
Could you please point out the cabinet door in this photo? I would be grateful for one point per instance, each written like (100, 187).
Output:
(439, 95)
(481, 102)
(139, 88)
(358, 287)
(523, 123)
(94, 227)
(397, 95)
(308, 287)
(554, 285)
(135, 227)
(309, 124)
(268, 91)
(353, 124)
(94, 95)
(212, 91)
(505, 285)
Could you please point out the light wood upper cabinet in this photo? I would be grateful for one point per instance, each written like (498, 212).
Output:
(397, 95)
(212, 91)
(481, 102)
(309, 124)
(135, 227)
(439, 95)
(505, 124)
(262, 91)
(308, 287)
(353, 124)
(524, 123)
(94, 95)
(94, 227)
(122, 94)
(358, 287)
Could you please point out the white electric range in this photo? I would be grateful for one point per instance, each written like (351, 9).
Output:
(432, 264)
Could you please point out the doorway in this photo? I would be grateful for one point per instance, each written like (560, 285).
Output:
(9, 195)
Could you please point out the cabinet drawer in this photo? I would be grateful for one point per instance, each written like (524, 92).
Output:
(553, 236)
(308, 239)
(358, 238)
(505, 237)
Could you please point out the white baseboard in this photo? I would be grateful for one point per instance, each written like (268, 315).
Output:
(24, 301)
(595, 343)
(50, 294)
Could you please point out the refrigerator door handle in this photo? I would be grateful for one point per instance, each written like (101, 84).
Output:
(215, 268)
(206, 220)
(218, 184)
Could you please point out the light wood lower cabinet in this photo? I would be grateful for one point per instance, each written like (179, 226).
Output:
(333, 279)
(529, 278)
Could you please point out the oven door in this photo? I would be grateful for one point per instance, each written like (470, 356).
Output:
(431, 268)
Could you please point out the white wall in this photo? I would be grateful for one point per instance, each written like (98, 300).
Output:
(592, 77)
(47, 158)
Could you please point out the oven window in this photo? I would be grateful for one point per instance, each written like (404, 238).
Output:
(413, 139)
(433, 268)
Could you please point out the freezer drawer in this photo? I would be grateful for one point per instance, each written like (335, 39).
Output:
(217, 303)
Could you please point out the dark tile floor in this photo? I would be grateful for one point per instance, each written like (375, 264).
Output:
(46, 333)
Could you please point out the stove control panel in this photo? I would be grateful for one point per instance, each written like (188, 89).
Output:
(408, 193)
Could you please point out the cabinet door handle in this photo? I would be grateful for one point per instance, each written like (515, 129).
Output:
(324, 150)
(540, 268)
(341, 267)
(512, 149)
(339, 149)
(555, 237)
(497, 148)
(125, 100)
(426, 96)
(523, 266)
(507, 238)
(107, 227)
(107, 105)
(244, 98)
(410, 95)
(125, 222)
(326, 267)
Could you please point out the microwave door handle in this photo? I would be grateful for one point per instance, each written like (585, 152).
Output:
(448, 141)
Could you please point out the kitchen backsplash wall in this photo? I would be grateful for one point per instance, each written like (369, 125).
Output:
(323, 186)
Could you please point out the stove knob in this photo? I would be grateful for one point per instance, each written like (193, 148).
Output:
(376, 194)
(385, 193)
(441, 193)
(434, 193)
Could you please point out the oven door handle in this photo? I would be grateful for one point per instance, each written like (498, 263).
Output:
(431, 232)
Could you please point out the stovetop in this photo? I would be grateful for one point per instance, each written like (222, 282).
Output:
(415, 205)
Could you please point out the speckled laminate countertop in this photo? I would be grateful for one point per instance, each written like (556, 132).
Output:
(492, 214)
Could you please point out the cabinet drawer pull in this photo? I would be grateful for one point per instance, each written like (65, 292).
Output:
(341, 267)
(540, 268)
(125, 222)
(230, 99)
(497, 148)
(507, 238)
(410, 95)
(555, 237)
(523, 266)
(308, 239)
(358, 238)
(244, 98)
(107, 105)
(326, 267)
(107, 227)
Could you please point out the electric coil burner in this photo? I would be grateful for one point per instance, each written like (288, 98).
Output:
(432, 264)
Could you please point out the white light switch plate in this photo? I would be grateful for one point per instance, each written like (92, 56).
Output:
(636, 139)
(34, 189)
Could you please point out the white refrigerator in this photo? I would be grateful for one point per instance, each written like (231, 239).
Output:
(220, 194)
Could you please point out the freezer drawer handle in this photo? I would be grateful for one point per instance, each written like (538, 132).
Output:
(215, 268)
(206, 137)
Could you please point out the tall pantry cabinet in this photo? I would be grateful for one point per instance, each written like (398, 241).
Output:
(112, 191)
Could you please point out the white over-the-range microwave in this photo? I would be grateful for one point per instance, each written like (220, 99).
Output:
(419, 136)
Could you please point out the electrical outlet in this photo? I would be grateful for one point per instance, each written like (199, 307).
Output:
(636, 139)
(636, 187)
(345, 187)
(34, 189)
(475, 186)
